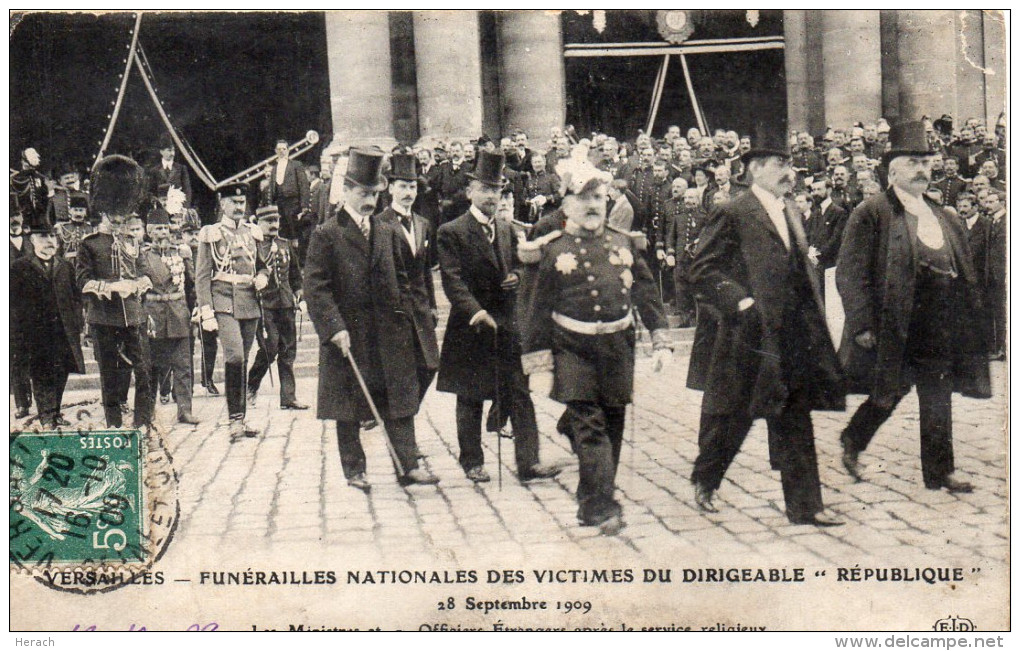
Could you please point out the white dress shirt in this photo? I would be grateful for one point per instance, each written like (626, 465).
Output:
(362, 222)
(281, 170)
(929, 230)
(776, 210)
(408, 233)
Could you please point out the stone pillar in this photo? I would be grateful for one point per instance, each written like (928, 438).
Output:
(927, 42)
(994, 27)
(970, 59)
(449, 71)
(531, 71)
(852, 66)
(795, 60)
(360, 90)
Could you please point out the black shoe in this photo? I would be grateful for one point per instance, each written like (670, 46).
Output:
(211, 388)
(164, 400)
(703, 498)
(821, 519)
(539, 471)
(252, 395)
(851, 462)
(60, 421)
(951, 484)
(418, 476)
(478, 475)
(22, 413)
(358, 481)
(293, 405)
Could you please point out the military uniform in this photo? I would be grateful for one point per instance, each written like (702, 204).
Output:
(70, 234)
(116, 322)
(577, 319)
(950, 187)
(680, 231)
(224, 284)
(547, 185)
(169, 319)
(278, 304)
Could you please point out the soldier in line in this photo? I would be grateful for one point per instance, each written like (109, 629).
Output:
(46, 320)
(70, 233)
(577, 322)
(109, 275)
(169, 319)
(278, 299)
(227, 276)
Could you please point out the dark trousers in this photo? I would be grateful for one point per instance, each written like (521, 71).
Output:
(597, 431)
(934, 394)
(685, 305)
(171, 365)
(114, 345)
(237, 336)
(522, 418)
(290, 207)
(720, 438)
(352, 455)
(21, 381)
(279, 344)
(49, 378)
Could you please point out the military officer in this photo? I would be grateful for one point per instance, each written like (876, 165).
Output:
(577, 321)
(68, 185)
(169, 319)
(541, 189)
(417, 256)
(228, 274)
(71, 233)
(112, 281)
(279, 299)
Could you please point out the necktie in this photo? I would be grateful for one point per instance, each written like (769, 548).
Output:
(405, 221)
(365, 228)
(490, 232)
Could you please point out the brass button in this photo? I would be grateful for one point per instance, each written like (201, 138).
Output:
(591, 279)
(623, 291)
(584, 251)
(597, 308)
(587, 265)
(577, 240)
(594, 292)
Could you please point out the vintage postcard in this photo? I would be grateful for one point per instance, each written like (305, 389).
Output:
(476, 320)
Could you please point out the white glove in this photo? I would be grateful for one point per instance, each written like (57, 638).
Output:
(260, 282)
(143, 285)
(660, 255)
(541, 382)
(210, 325)
(813, 255)
(661, 358)
(671, 260)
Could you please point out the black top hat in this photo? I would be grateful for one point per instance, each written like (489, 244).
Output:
(404, 167)
(234, 190)
(907, 139)
(772, 144)
(364, 168)
(118, 185)
(489, 169)
(37, 222)
(166, 141)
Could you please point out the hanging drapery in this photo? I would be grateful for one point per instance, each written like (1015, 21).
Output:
(698, 114)
(660, 83)
(123, 86)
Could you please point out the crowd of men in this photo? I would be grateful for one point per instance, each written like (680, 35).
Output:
(546, 255)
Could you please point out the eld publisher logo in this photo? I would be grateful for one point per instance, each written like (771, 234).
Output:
(954, 625)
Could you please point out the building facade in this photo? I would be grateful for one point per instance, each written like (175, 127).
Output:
(403, 76)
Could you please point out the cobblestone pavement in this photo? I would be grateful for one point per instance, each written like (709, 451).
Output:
(285, 489)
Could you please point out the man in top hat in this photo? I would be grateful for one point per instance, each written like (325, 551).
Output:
(46, 320)
(577, 322)
(70, 233)
(359, 298)
(169, 267)
(481, 353)
(417, 254)
(228, 273)
(770, 355)
(289, 190)
(167, 171)
(912, 302)
(279, 299)
(113, 281)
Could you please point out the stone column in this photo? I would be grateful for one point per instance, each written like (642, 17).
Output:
(852, 66)
(795, 60)
(449, 71)
(927, 42)
(994, 27)
(360, 89)
(970, 60)
(531, 71)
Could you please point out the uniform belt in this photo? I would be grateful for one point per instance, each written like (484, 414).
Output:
(233, 279)
(164, 298)
(593, 328)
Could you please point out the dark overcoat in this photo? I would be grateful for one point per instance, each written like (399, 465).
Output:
(46, 313)
(472, 270)
(361, 286)
(875, 275)
(741, 255)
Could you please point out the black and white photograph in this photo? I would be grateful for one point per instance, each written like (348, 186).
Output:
(510, 320)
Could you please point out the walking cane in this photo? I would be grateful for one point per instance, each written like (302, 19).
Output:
(201, 348)
(498, 406)
(375, 413)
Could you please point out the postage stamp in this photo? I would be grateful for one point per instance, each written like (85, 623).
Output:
(90, 510)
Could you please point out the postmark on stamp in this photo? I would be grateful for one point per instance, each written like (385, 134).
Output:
(90, 510)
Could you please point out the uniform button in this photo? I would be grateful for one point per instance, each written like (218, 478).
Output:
(577, 240)
(587, 265)
(584, 251)
(594, 292)
(623, 291)
(597, 308)
(591, 279)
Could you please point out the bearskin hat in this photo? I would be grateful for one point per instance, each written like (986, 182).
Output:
(118, 186)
